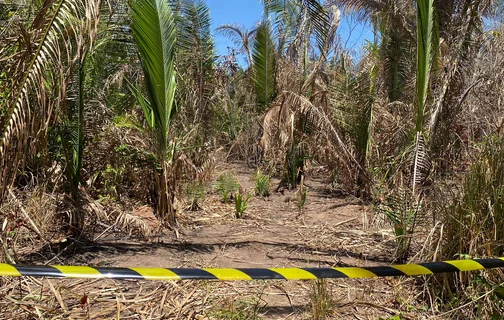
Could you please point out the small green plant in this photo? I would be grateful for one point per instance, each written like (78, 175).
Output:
(301, 199)
(321, 300)
(195, 191)
(241, 204)
(240, 310)
(294, 164)
(112, 178)
(399, 317)
(401, 209)
(262, 186)
(226, 185)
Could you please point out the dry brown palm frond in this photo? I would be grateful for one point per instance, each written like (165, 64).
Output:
(323, 124)
(321, 138)
(69, 24)
(365, 7)
(204, 172)
(421, 164)
(117, 78)
(141, 221)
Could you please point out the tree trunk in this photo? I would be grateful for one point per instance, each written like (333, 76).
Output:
(165, 197)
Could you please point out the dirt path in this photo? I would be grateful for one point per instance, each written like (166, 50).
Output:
(334, 230)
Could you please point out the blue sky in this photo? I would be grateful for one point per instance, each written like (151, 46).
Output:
(248, 12)
(244, 12)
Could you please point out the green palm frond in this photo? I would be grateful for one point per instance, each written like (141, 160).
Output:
(274, 6)
(144, 104)
(264, 72)
(154, 31)
(320, 21)
(33, 106)
(352, 99)
(294, 18)
(195, 49)
(193, 30)
(425, 23)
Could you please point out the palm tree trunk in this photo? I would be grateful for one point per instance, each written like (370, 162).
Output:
(76, 222)
(165, 197)
(249, 55)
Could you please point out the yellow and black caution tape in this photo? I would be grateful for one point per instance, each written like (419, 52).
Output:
(236, 274)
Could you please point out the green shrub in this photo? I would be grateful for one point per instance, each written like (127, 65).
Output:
(262, 184)
(226, 185)
(241, 204)
(112, 178)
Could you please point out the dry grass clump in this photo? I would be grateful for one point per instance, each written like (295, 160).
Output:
(473, 228)
(28, 219)
(30, 298)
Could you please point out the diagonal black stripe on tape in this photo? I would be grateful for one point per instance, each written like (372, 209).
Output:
(119, 273)
(385, 271)
(439, 267)
(188, 274)
(261, 273)
(38, 271)
(490, 263)
(323, 273)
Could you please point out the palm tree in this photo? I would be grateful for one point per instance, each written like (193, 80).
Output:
(393, 19)
(63, 32)
(154, 31)
(353, 93)
(195, 55)
(306, 31)
(241, 37)
(462, 32)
